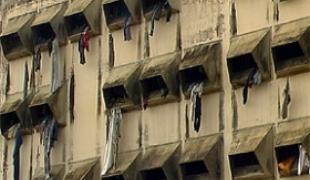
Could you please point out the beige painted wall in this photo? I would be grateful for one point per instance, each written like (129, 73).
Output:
(200, 22)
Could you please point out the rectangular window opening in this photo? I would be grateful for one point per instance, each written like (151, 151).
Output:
(119, 177)
(76, 23)
(245, 163)
(7, 121)
(115, 95)
(193, 75)
(43, 33)
(288, 155)
(154, 86)
(39, 113)
(154, 174)
(148, 5)
(241, 66)
(116, 11)
(284, 55)
(11, 43)
(194, 168)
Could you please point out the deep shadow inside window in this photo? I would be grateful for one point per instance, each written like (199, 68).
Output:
(241, 64)
(116, 11)
(11, 43)
(119, 177)
(154, 85)
(43, 33)
(286, 52)
(193, 75)
(154, 174)
(115, 95)
(7, 121)
(40, 113)
(76, 23)
(244, 164)
(194, 168)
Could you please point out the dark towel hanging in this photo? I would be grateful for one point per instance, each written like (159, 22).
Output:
(127, 29)
(197, 113)
(37, 58)
(16, 153)
(50, 46)
(8, 80)
(248, 85)
(81, 50)
(287, 100)
(72, 90)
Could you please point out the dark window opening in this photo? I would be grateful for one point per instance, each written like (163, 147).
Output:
(192, 76)
(76, 23)
(246, 163)
(7, 121)
(154, 86)
(154, 174)
(116, 11)
(40, 113)
(242, 160)
(288, 155)
(194, 168)
(43, 33)
(286, 52)
(242, 63)
(115, 95)
(148, 5)
(119, 177)
(11, 43)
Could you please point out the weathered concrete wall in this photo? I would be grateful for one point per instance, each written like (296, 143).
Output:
(197, 22)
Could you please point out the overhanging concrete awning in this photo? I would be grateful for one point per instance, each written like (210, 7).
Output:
(160, 161)
(12, 112)
(80, 14)
(122, 87)
(57, 172)
(256, 145)
(290, 47)
(45, 103)
(201, 64)
(16, 37)
(159, 79)
(125, 167)
(82, 170)
(49, 24)
(201, 156)
(248, 51)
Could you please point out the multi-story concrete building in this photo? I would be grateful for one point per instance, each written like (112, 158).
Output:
(68, 67)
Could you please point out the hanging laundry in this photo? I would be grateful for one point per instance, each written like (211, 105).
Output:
(195, 105)
(57, 72)
(303, 160)
(286, 101)
(32, 78)
(276, 12)
(26, 80)
(50, 136)
(254, 78)
(72, 91)
(115, 119)
(286, 166)
(37, 58)
(84, 44)
(16, 153)
(8, 80)
(111, 51)
(127, 29)
(157, 13)
(50, 46)
(145, 103)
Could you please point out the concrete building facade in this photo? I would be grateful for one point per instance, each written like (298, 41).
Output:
(222, 40)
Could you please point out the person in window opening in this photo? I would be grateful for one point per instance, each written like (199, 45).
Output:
(157, 10)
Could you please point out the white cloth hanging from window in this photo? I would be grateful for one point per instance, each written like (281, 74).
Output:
(112, 142)
(303, 160)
